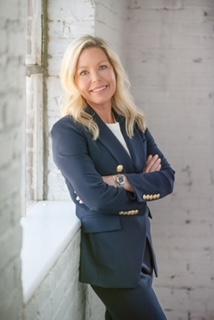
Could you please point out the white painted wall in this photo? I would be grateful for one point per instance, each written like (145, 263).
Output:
(12, 104)
(167, 47)
(110, 22)
(171, 66)
(60, 295)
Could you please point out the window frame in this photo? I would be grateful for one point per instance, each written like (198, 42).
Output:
(34, 155)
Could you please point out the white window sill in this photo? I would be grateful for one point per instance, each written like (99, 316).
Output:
(47, 230)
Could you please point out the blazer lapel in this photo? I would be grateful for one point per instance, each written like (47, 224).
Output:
(108, 139)
(135, 145)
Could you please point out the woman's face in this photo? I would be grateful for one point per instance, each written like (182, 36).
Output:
(95, 77)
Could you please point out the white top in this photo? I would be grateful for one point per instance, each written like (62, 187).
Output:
(115, 129)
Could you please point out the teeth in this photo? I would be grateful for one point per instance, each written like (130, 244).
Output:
(99, 89)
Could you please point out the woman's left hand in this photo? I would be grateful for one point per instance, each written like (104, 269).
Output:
(153, 164)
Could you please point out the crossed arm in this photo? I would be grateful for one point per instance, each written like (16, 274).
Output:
(153, 164)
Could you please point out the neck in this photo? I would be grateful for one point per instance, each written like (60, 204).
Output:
(109, 119)
(107, 116)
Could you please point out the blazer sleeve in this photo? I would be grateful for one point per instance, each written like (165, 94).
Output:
(71, 156)
(154, 185)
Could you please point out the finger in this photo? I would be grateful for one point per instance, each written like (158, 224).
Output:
(156, 168)
(151, 162)
(155, 165)
(149, 159)
(159, 167)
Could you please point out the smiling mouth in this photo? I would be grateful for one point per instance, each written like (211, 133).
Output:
(99, 89)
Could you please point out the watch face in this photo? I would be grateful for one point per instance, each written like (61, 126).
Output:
(121, 180)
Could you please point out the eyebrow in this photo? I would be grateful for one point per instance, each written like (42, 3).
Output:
(102, 61)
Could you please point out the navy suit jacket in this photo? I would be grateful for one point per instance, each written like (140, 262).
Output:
(115, 222)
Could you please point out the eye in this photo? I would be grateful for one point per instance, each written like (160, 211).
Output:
(83, 73)
(103, 67)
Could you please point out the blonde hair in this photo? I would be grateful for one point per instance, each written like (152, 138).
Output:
(122, 101)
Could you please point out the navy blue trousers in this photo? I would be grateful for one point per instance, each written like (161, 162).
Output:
(139, 303)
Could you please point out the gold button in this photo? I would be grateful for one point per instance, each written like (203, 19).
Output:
(151, 197)
(158, 195)
(136, 211)
(121, 213)
(120, 168)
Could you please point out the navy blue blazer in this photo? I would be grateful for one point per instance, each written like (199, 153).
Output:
(115, 222)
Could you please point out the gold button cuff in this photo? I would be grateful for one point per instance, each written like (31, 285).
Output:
(151, 196)
(128, 213)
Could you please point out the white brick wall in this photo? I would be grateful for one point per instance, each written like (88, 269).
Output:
(110, 19)
(60, 296)
(12, 102)
(170, 61)
(168, 47)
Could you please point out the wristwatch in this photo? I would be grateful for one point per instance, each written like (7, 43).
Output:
(120, 179)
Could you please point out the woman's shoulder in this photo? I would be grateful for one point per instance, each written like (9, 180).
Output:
(66, 120)
(66, 123)
(67, 126)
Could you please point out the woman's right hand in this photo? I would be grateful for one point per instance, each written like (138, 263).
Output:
(153, 164)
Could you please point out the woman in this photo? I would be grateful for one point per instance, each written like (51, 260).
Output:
(112, 168)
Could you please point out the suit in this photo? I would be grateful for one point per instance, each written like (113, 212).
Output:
(115, 223)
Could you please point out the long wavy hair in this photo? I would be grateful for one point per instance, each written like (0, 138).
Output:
(122, 101)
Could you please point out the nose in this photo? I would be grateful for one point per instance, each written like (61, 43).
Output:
(95, 76)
